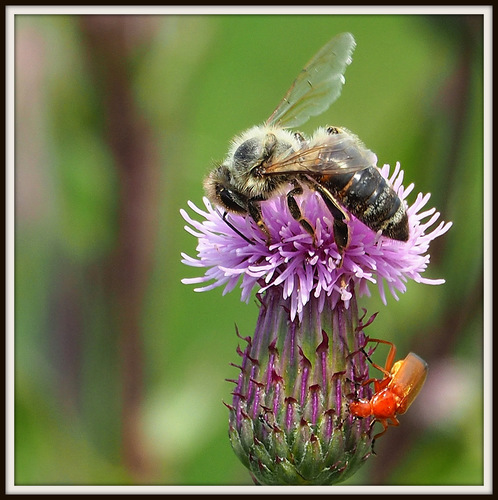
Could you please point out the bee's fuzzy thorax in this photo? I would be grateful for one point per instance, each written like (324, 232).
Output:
(259, 132)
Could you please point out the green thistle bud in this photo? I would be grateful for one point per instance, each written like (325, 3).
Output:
(289, 421)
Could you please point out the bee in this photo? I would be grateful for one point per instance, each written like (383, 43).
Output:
(269, 159)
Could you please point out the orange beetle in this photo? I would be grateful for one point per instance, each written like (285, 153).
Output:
(395, 392)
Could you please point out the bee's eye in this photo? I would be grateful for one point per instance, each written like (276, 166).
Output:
(231, 200)
(248, 153)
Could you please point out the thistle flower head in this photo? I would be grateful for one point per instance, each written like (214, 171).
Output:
(289, 420)
(305, 267)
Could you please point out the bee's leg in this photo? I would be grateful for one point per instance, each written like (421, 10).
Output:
(255, 212)
(341, 229)
(296, 211)
(341, 235)
(333, 130)
(300, 138)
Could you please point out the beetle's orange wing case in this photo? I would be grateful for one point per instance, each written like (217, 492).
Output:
(408, 378)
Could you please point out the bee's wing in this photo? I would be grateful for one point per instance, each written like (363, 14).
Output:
(339, 154)
(318, 85)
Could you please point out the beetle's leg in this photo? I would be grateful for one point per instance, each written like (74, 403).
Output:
(296, 211)
(390, 357)
(385, 372)
(385, 423)
(356, 384)
(379, 384)
(369, 381)
(377, 436)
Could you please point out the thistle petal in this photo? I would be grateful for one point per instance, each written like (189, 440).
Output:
(303, 268)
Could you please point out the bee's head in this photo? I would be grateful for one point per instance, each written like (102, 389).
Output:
(241, 176)
(220, 190)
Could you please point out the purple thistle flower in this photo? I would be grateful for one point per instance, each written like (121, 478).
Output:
(303, 268)
(289, 421)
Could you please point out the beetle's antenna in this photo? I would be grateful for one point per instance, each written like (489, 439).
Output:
(362, 349)
(366, 355)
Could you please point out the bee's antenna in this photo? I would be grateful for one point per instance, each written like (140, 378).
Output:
(231, 226)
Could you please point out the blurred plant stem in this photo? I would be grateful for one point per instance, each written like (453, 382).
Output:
(110, 42)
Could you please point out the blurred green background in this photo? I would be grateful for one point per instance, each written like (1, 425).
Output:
(119, 368)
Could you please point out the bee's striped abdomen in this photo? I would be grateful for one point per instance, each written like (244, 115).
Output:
(368, 196)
